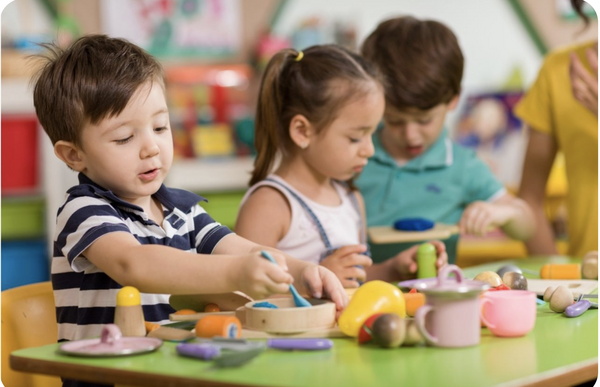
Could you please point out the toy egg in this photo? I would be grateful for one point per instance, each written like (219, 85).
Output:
(388, 330)
(589, 265)
(515, 281)
(508, 268)
(412, 335)
(548, 293)
(489, 277)
(560, 299)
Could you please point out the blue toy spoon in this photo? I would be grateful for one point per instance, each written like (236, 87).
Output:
(298, 299)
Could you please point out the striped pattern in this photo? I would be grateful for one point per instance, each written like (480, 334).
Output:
(84, 295)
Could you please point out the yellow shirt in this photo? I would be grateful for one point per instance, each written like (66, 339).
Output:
(549, 107)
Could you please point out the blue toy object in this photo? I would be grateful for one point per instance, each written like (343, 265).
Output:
(265, 304)
(413, 224)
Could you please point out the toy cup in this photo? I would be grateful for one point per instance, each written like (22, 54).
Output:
(451, 315)
(509, 313)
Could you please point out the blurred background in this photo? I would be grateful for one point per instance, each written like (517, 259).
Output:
(214, 52)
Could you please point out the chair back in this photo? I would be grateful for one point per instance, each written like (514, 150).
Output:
(28, 320)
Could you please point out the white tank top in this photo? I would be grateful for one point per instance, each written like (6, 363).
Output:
(342, 224)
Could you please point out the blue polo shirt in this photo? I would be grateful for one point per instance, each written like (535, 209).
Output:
(438, 185)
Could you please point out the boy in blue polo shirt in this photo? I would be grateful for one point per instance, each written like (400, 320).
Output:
(417, 171)
(102, 103)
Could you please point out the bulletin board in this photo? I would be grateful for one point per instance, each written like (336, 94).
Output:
(177, 28)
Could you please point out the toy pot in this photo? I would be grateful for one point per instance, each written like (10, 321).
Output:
(451, 316)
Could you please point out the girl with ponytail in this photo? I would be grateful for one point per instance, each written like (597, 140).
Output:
(316, 113)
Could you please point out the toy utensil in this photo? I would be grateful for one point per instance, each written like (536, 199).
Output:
(298, 300)
(578, 308)
(300, 344)
(202, 351)
(239, 345)
(236, 359)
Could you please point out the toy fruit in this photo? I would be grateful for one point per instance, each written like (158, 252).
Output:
(211, 308)
(426, 257)
(589, 265)
(388, 330)
(560, 299)
(548, 293)
(413, 302)
(561, 271)
(490, 277)
(515, 281)
(371, 298)
(506, 268)
(365, 334)
(412, 335)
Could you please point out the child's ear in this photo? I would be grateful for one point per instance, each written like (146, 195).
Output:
(70, 154)
(453, 102)
(301, 131)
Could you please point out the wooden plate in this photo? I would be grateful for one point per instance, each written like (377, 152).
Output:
(287, 318)
(197, 302)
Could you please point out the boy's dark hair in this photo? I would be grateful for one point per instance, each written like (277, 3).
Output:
(421, 60)
(315, 83)
(92, 79)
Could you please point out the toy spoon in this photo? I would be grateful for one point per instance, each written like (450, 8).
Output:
(298, 300)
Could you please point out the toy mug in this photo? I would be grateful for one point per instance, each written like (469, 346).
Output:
(509, 313)
(451, 315)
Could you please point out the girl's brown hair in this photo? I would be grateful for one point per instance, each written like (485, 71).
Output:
(315, 83)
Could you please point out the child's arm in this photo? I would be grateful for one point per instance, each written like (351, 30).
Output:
(265, 218)
(511, 214)
(163, 269)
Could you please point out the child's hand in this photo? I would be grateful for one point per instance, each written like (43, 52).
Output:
(480, 217)
(405, 263)
(320, 282)
(259, 278)
(343, 264)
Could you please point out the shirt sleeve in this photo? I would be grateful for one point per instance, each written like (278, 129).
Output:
(535, 108)
(80, 222)
(208, 231)
(480, 182)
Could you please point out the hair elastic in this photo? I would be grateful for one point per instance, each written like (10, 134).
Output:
(300, 56)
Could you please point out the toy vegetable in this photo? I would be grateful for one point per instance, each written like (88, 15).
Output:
(371, 298)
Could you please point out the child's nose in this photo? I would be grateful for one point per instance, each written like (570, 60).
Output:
(368, 149)
(150, 148)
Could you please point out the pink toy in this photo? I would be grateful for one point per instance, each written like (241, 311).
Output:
(510, 313)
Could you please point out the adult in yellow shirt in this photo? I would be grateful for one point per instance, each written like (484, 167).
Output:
(560, 110)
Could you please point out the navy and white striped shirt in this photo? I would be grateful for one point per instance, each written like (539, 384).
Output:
(85, 296)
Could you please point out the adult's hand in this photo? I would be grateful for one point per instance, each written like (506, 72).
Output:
(583, 83)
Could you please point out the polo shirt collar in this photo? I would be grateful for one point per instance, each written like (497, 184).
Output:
(171, 198)
(439, 155)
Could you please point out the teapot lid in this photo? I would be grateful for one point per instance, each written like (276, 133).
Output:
(446, 286)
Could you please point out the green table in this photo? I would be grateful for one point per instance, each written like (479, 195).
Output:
(559, 351)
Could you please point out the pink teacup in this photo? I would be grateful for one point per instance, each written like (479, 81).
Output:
(509, 313)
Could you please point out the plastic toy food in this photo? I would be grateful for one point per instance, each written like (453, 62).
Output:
(515, 281)
(365, 334)
(371, 298)
(490, 277)
(426, 257)
(560, 299)
(388, 330)
(561, 271)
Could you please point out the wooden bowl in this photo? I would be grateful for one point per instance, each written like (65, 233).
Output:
(287, 318)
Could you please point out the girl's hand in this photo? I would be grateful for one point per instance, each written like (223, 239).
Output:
(480, 217)
(584, 84)
(259, 278)
(321, 282)
(405, 262)
(343, 264)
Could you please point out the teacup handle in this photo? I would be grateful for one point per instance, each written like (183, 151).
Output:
(485, 321)
(445, 272)
(420, 320)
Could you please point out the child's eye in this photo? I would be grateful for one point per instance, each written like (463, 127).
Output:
(424, 122)
(124, 141)
(354, 140)
(161, 129)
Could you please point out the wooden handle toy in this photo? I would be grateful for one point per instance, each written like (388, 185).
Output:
(561, 271)
(129, 316)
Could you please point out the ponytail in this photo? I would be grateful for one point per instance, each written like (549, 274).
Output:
(267, 135)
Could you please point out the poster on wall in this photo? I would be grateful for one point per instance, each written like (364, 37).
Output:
(208, 29)
(488, 126)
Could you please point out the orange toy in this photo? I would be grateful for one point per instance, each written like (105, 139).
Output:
(561, 271)
(184, 312)
(219, 325)
(413, 302)
(211, 308)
